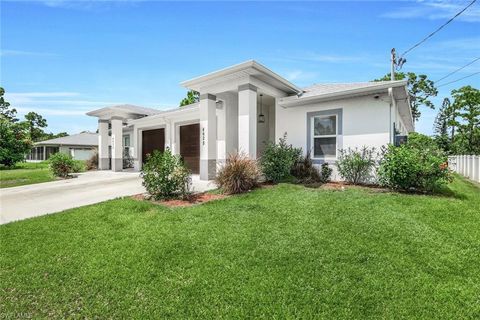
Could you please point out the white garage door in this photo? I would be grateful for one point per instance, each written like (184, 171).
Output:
(81, 154)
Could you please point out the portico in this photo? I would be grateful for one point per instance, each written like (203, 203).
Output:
(112, 127)
(237, 112)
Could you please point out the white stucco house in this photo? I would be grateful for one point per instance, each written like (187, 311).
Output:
(81, 146)
(243, 106)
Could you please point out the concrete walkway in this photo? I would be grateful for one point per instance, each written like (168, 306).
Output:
(29, 201)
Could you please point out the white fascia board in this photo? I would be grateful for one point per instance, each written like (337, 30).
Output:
(294, 101)
(406, 113)
(192, 109)
(196, 82)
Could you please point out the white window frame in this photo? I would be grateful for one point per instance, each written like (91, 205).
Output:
(129, 140)
(313, 136)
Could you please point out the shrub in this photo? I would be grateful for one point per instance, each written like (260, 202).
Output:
(325, 173)
(78, 166)
(409, 168)
(61, 164)
(239, 174)
(165, 176)
(278, 159)
(356, 166)
(92, 163)
(304, 170)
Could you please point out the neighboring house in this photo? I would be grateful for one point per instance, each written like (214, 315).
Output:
(80, 146)
(244, 106)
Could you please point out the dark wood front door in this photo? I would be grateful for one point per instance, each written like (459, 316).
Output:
(152, 140)
(190, 146)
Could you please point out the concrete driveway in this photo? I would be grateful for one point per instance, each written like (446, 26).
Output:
(24, 202)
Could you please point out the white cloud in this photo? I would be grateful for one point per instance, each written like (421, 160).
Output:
(320, 57)
(87, 4)
(299, 75)
(16, 98)
(16, 53)
(54, 112)
(437, 9)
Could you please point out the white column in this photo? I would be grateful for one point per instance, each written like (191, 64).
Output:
(103, 157)
(208, 136)
(117, 152)
(168, 136)
(247, 120)
(44, 153)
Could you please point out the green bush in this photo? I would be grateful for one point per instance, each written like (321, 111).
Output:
(78, 166)
(304, 170)
(239, 174)
(357, 166)
(61, 164)
(325, 173)
(278, 160)
(411, 167)
(165, 176)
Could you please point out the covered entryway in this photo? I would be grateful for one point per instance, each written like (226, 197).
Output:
(152, 140)
(190, 146)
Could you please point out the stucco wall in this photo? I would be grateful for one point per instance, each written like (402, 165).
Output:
(365, 122)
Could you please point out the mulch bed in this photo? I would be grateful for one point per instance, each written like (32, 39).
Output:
(341, 186)
(193, 199)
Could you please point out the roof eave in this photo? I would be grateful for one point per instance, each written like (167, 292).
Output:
(237, 68)
(295, 100)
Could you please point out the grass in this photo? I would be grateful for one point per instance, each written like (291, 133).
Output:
(279, 252)
(25, 173)
(30, 173)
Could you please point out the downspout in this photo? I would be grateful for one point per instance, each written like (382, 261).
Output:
(390, 94)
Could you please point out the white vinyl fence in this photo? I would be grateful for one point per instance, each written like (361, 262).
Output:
(467, 166)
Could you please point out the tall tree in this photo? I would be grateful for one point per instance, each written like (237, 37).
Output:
(15, 142)
(467, 100)
(192, 97)
(441, 125)
(35, 124)
(5, 111)
(420, 87)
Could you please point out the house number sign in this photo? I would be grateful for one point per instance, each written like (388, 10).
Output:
(203, 136)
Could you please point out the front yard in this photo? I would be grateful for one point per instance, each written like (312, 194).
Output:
(277, 252)
(25, 173)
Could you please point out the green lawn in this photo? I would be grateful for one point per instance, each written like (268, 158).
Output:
(275, 253)
(25, 173)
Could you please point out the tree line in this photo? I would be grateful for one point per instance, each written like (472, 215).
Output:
(18, 136)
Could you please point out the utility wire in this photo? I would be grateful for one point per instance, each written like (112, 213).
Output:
(455, 71)
(438, 29)
(471, 75)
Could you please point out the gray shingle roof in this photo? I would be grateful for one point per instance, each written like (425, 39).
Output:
(327, 88)
(79, 139)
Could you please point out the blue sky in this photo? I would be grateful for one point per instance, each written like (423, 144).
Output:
(63, 58)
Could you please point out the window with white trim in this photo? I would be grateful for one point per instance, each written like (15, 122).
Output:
(324, 136)
(126, 140)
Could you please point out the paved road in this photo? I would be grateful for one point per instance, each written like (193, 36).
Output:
(23, 202)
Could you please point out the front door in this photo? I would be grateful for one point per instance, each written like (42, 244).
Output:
(152, 140)
(190, 146)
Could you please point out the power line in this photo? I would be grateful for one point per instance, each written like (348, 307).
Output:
(438, 29)
(471, 75)
(461, 68)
